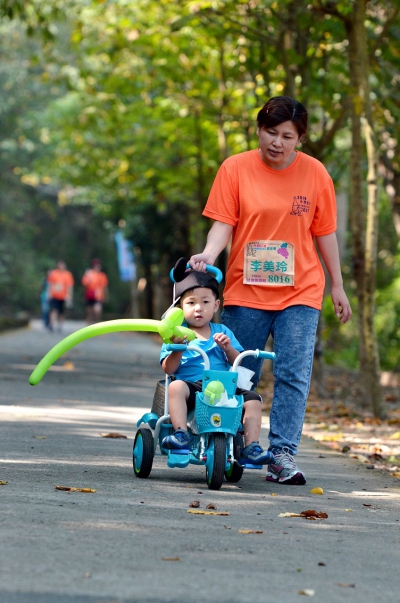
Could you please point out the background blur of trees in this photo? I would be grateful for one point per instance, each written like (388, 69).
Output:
(117, 113)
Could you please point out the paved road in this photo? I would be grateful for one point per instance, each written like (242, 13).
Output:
(133, 540)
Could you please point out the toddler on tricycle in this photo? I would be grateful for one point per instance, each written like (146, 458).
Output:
(203, 384)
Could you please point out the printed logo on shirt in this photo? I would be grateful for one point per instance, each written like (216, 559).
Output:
(300, 205)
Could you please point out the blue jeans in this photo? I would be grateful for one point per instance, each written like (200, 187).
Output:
(293, 330)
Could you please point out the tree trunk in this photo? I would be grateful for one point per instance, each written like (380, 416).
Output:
(364, 220)
(318, 371)
(197, 223)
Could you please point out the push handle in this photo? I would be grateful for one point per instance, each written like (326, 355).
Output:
(216, 272)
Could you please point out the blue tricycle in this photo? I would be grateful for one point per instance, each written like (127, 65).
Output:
(216, 431)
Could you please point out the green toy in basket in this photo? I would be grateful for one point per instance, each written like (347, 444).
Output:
(213, 392)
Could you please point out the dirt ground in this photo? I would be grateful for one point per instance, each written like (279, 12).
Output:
(339, 421)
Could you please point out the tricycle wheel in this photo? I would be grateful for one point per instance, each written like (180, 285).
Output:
(216, 459)
(143, 452)
(235, 472)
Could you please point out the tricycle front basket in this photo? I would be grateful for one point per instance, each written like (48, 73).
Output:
(211, 418)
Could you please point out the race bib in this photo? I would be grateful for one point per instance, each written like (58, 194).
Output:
(269, 263)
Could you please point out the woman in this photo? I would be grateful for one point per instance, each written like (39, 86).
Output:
(275, 202)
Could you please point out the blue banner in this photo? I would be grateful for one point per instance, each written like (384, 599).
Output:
(126, 262)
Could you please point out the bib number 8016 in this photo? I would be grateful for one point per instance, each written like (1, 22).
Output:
(278, 279)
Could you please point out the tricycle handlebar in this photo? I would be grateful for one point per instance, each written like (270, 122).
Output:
(181, 347)
(176, 347)
(268, 355)
(255, 354)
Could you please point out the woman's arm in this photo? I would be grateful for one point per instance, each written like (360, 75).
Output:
(330, 254)
(217, 240)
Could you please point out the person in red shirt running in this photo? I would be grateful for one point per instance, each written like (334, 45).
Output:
(95, 282)
(60, 291)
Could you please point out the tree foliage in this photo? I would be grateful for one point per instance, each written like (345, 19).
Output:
(36, 228)
(152, 96)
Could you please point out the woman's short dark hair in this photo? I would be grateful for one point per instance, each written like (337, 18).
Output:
(283, 108)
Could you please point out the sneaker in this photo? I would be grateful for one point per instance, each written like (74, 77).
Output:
(180, 440)
(254, 454)
(284, 470)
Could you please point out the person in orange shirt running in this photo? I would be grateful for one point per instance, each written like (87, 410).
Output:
(95, 282)
(275, 202)
(60, 291)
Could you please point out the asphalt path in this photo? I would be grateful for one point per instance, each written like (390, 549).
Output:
(133, 539)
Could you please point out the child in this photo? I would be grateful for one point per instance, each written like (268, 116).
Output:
(198, 297)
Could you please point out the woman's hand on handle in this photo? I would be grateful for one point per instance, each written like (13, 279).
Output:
(217, 240)
(199, 261)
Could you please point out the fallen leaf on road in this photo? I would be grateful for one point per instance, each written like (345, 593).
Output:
(170, 558)
(3, 483)
(198, 512)
(211, 506)
(274, 494)
(70, 489)
(195, 504)
(113, 435)
(69, 365)
(367, 505)
(395, 436)
(227, 527)
(316, 491)
(348, 510)
(396, 474)
(359, 457)
(311, 514)
(345, 585)
(330, 438)
(250, 531)
(307, 591)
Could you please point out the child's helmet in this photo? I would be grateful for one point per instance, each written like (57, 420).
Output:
(190, 279)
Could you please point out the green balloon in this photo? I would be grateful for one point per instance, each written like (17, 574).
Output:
(168, 327)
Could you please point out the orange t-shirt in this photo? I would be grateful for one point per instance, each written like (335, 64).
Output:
(273, 212)
(96, 283)
(60, 281)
